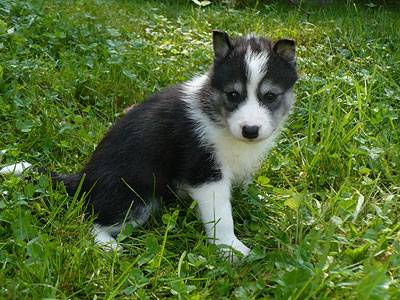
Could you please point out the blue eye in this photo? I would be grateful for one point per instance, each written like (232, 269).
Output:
(233, 96)
(270, 97)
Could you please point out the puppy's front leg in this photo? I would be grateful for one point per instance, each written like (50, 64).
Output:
(213, 200)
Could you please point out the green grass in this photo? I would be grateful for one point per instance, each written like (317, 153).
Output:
(322, 216)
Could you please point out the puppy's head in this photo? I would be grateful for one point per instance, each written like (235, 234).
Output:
(251, 85)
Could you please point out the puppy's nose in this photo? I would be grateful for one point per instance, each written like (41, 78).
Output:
(250, 132)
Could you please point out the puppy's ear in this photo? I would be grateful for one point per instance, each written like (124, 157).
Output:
(222, 44)
(286, 49)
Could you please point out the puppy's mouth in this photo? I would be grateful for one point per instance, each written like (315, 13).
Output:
(251, 134)
(251, 140)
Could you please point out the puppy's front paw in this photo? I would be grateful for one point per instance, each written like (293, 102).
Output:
(239, 246)
(235, 245)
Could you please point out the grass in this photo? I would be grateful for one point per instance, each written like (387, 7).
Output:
(322, 217)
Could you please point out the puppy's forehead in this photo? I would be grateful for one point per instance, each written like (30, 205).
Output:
(261, 63)
(256, 52)
(254, 43)
(248, 62)
(256, 66)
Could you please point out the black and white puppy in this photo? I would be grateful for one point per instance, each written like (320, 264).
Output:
(200, 137)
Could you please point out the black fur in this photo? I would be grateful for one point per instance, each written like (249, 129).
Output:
(151, 148)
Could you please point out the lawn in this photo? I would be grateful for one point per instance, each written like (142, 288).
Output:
(322, 215)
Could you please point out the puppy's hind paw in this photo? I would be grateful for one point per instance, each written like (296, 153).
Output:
(103, 239)
(110, 246)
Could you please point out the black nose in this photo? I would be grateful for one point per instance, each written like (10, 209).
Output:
(250, 132)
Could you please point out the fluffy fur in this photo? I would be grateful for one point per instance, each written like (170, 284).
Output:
(201, 137)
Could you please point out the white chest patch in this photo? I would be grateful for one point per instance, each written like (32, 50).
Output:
(238, 159)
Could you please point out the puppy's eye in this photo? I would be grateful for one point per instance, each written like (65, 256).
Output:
(233, 96)
(270, 97)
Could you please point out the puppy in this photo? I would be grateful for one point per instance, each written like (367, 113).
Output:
(200, 137)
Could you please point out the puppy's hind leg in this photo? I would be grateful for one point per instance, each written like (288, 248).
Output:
(105, 235)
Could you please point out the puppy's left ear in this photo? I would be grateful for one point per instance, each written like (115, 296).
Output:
(286, 49)
(222, 43)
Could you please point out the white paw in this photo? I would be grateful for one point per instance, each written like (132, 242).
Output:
(110, 246)
(103, 238)
(227, 246)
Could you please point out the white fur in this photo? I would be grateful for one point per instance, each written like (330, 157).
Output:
(213, 200)
(251, 113)
(104, 238)
(256, 68)
(16, 169)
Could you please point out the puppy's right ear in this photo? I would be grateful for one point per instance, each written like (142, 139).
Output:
(222, 44)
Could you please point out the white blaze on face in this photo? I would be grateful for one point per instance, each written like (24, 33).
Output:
(251, 112)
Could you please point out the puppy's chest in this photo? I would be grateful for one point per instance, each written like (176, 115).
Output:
(239, 160)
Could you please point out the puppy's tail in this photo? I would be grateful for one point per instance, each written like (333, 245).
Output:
(71, 182)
